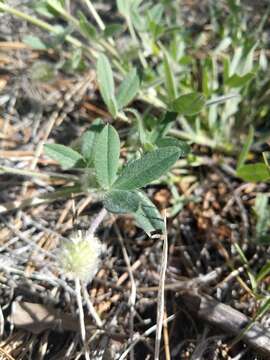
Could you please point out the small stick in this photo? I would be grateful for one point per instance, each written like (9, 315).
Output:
(161, 291)
(166, 337)
(132, 297)
(143, 336)
(25, 238)
(14, 45)
(91, 308)
(230, 320)
(2, 323)
(81, 316)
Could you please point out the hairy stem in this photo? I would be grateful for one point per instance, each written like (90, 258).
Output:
(96, 222)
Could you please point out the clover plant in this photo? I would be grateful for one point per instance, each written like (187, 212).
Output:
(120, 187)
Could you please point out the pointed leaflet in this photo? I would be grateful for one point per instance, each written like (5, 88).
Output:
(128, 89)
(113, 29)
(244, 153)
(88, 140)
(35, 42)
(86, 27)
(121, 201)
(168, 141)
(236, 81)
(188, 104)
(149, 167)
(66, 156)
(106, 83)
(147, 216)
(107, 152)
(105, 78)
(254, 172)
(163, 126)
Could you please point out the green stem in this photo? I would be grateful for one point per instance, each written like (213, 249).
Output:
(198, 139)
(34, 21)
(64, 13)
(95, 14)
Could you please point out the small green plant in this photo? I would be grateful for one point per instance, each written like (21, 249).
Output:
(254, 172)
(98, 156)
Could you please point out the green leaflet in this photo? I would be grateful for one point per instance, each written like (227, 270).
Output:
(113, 29)
(106, 157)
(86, 27)
(88, 140)
(121, 201)
(35, 42)
(66, 156)
(106, 83)
(236, 81)
(168, 141)
(147, 216)
(148, 168)
(128, 89)
(254, 172)
(188, 104)
(136, 202)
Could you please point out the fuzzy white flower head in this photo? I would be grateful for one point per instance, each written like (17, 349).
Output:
(81, 256)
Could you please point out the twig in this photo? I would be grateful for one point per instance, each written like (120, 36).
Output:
(2, 322)
(26, 239)
(91, 308)
(132, 297)
(81, 316)
(161, 291)
(6, 355)
(196, 283)
(230, 320)
(145, 334)
(55, 282)
(166, 337)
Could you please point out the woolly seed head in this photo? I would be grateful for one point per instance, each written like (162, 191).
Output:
(80, 256)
